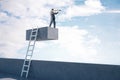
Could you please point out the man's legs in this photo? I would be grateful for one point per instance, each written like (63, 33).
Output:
(50, 23)
(54, 23)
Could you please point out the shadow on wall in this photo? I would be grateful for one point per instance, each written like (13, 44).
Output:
(48, 70)
(4, 76)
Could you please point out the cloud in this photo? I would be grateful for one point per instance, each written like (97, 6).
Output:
(38, 8)
(74, 45)
(113, 11)
(90, 7)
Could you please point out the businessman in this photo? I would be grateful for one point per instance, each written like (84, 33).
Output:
(53, 12)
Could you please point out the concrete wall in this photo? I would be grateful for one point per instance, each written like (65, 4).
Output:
(12, 66)
(47, 70)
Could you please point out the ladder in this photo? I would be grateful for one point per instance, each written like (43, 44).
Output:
(29, 53)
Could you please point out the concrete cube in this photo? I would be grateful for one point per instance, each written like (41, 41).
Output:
(44, 33)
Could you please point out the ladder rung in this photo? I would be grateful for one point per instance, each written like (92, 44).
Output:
(33, 36)
(25, 71)
(27, 60)
(31, 45)
(34, 31)
(30, 50)
(29, 55)
(26, 65)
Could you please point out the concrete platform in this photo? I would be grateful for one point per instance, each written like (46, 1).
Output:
(44, 33)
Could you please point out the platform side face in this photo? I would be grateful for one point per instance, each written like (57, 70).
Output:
(52, 33)
(44, 33)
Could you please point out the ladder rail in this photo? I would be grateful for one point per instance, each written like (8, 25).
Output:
(29, 55)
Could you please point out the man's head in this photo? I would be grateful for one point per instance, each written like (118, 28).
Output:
(52, 9)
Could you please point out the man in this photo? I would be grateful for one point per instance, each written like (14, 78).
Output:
(53, 12)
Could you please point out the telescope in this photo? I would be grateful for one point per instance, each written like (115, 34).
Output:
(57, 10)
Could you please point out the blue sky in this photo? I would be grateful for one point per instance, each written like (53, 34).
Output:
(88, 30)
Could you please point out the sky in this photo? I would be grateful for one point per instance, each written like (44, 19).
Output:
(88, 30)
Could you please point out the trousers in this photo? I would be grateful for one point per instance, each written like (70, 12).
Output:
(52, 21)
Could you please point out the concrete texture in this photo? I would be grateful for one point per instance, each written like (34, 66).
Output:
(49, 70)
(44, 33)
(5, 76)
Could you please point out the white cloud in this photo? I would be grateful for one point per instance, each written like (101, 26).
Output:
(38, 8)
(79, 44)
(3, 16)
(90, 7)
(94, 4)
(112, 11)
